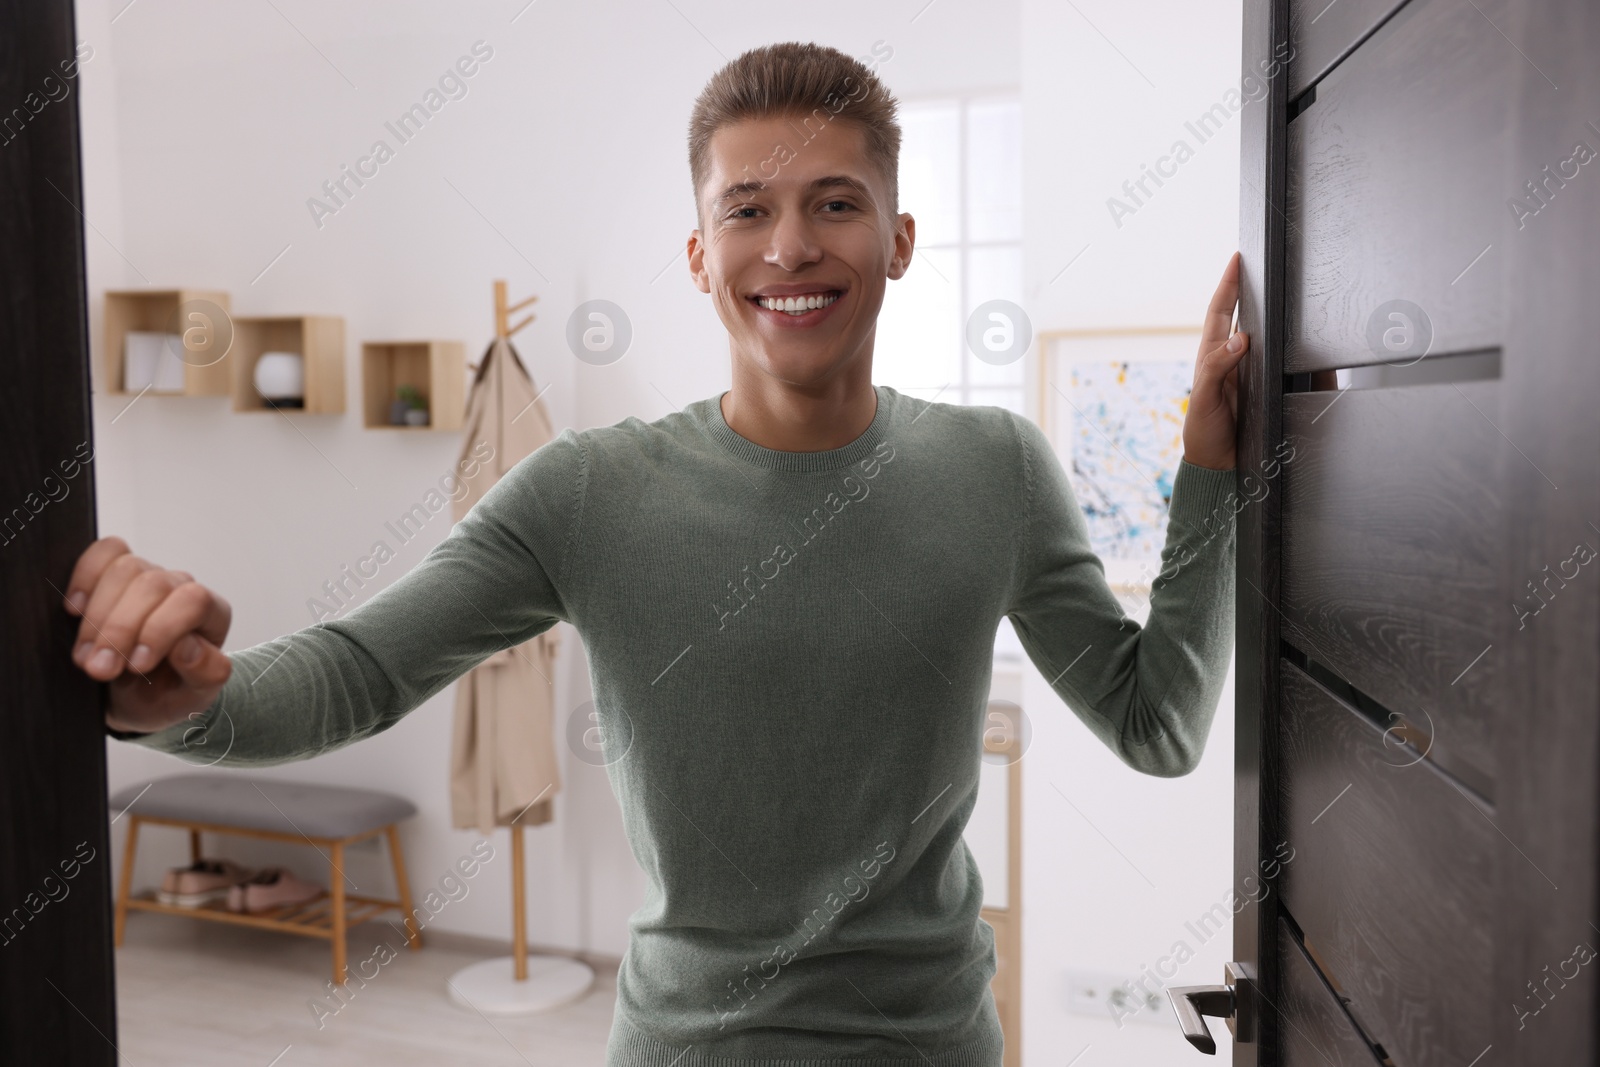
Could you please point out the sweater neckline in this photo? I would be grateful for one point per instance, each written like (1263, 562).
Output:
(775, 459)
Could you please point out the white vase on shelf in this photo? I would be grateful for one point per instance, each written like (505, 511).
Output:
(280, 378)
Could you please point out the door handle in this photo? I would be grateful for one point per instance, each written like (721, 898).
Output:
(1233, 1002)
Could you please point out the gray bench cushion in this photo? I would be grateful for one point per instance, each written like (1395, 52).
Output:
(265, 804)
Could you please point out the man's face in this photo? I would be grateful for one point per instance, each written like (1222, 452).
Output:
(803, 219)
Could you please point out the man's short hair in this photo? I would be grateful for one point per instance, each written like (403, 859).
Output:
(811, 83)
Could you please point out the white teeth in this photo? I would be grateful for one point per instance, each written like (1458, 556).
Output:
(798, 305)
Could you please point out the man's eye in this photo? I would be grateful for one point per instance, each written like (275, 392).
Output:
(846, 203)
(735, 213)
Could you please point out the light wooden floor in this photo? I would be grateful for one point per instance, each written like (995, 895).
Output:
(198, 993)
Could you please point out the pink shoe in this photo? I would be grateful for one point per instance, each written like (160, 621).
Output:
(274, 887)
(201, 882)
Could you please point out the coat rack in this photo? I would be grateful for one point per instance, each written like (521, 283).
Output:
(519, 944)
(519, 920)
(502, 313)
(490, 986)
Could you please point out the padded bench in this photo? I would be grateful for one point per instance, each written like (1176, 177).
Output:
(329, 818)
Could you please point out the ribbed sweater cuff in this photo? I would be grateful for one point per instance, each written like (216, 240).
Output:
(1204, 500)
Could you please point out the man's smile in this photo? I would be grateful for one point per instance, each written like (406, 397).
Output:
(791, 306)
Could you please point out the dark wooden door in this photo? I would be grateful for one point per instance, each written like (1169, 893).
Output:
(1418, 758)
(57, 998)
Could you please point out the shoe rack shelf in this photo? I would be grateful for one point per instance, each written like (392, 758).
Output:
(313, 918)
(327, 916)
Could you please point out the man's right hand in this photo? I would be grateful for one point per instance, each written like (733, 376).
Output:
(153, 634)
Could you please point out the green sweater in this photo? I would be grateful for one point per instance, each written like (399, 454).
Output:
(791, 656)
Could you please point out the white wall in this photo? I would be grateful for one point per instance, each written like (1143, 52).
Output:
(1109, 887)
(206, 130)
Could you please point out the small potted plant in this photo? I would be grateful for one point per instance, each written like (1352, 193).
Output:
(409, 407)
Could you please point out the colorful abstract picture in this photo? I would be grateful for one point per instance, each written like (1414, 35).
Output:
(1112, 403)
(1124, 423)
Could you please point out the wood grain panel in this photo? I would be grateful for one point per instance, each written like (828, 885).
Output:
(1323, 31)
(57, 983)
(1317, 1031)
(1549, 803)
(1261, 235)
(1396, 190)
(1393, 532)
(1392, 880)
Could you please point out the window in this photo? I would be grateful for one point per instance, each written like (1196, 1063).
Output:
(961, 179)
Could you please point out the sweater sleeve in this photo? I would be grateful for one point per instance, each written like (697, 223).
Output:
(1149, 692)
(495, 582)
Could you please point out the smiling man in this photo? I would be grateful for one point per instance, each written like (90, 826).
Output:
(789, 595)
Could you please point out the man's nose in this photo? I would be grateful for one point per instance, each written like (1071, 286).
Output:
(794, 241)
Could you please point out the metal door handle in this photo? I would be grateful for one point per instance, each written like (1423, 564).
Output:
(1231, 1002)
(1193, 1001)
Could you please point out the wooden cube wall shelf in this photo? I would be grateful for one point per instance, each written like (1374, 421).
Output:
(318, 339)
(436, 369)
(157, 311)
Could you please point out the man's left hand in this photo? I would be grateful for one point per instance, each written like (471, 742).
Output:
(1210, 426)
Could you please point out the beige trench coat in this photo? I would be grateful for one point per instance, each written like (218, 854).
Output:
(503, 754)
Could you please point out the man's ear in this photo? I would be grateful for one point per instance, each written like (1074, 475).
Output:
(905, 242)
(697, 262)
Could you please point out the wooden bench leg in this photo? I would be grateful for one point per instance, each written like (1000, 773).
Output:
(403, 887)
(129, 847)
(194, 846)
(337, 889)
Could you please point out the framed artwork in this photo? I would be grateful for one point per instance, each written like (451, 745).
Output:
(1112, 403)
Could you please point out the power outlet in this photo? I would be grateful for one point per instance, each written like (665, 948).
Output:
(1112, 996)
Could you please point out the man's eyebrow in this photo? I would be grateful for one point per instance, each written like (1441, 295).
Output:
(738, 191)
(743, 190)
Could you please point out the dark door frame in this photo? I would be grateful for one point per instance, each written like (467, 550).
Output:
(56, 962)
(1548, 792)
(1548, 739)
(1263, 174)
